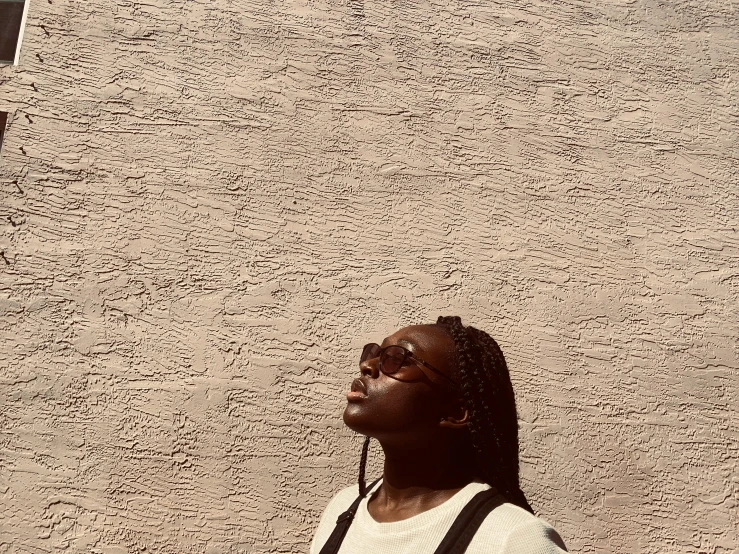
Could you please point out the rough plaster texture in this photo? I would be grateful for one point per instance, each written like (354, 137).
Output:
(209, 206)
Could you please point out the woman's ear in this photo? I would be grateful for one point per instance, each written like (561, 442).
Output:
(457, 416)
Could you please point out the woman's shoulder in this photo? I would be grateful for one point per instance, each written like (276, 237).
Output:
(343, 499)
(516, 531)
(338, 504)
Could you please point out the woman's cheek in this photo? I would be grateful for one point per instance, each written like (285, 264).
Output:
(391, 409)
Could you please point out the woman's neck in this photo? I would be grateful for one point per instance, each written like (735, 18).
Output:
(416, 480)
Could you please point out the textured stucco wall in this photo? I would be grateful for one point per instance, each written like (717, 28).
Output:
(207, 207)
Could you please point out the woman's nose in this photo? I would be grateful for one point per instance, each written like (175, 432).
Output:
(370, 367)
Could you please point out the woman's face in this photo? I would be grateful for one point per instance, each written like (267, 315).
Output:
(410, 404)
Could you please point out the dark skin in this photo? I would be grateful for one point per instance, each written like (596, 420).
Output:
(416, 416)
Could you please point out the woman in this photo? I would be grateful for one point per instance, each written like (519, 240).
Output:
(439, 400)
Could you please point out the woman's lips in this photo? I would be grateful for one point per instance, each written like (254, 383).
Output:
(358, 391)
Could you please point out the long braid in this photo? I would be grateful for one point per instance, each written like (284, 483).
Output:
(488, 394)
(362, 467)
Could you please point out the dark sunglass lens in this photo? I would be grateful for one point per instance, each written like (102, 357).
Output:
(370, 351)
(392, 359)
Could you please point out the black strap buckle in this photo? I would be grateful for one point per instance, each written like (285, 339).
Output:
(348, 515)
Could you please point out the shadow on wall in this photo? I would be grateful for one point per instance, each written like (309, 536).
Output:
(12, 19)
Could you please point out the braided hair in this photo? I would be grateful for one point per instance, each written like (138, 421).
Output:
(487, 392)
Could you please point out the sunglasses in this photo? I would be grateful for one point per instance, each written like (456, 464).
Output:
(393, 357)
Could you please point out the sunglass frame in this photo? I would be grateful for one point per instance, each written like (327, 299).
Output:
(382, 353)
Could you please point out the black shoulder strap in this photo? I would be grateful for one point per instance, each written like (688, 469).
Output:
(342, 526)
(468, 521)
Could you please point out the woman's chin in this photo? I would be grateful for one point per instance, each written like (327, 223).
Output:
(353, 417)
(359, 420)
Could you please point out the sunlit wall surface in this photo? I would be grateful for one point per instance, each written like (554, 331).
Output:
(208, 207)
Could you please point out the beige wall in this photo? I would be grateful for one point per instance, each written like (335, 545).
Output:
(209, 206)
